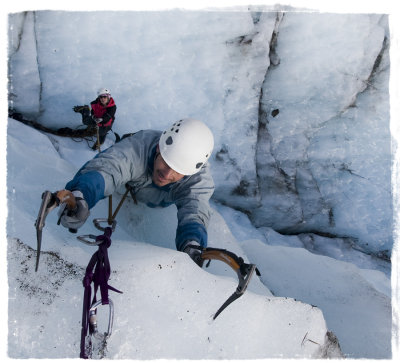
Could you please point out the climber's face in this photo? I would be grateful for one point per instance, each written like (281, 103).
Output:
(104, 99)
(162, 173)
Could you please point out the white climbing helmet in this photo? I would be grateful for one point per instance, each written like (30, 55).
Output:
(186, 146)
(103, 91)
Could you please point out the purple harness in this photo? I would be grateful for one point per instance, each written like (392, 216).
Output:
(99, 277)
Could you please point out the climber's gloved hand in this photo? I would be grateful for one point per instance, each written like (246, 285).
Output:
(192, 248)
(73, 219)
(80, 109)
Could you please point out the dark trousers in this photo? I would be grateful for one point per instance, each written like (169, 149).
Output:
(103, 130)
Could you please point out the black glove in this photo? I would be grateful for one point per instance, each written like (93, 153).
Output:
(80, 109)
(194, 252)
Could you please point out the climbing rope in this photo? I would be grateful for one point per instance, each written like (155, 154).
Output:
(98, 272)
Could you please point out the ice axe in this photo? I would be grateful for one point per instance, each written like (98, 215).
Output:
(244, 271)
(49, 202)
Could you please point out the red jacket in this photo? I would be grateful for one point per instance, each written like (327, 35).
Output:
(107, 113)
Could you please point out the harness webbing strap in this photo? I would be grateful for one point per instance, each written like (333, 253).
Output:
(100, 263)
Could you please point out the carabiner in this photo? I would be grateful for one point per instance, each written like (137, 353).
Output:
(93, 320)
(97, 222)
(84, 239)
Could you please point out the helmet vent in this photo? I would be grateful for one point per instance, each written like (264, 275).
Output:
(198, 165)
(169, 141)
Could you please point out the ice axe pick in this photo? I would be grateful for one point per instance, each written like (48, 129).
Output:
(244, 272)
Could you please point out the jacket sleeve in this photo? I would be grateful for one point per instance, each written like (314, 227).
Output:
(109, 114)
(122, 162)
(192, 202)
(91, 107)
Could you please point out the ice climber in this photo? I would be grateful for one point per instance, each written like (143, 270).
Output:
(101, 113)
(162, 168)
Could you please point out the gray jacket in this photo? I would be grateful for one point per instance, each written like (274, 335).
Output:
(131, 161)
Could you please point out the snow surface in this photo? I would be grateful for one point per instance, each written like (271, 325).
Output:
(163, 290)
(351, 290)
